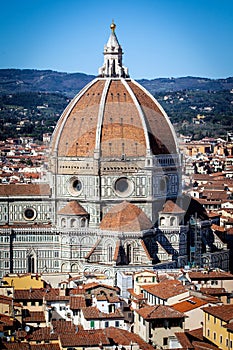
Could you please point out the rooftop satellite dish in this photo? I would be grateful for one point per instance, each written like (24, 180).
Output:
(27, 329)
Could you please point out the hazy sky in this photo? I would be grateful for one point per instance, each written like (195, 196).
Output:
(160, 38)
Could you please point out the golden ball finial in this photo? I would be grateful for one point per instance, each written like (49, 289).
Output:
(113, 26)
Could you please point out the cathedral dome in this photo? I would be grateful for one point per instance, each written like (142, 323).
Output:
(113, 116)
(114, 143)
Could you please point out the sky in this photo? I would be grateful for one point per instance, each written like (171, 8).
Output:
(160, 38)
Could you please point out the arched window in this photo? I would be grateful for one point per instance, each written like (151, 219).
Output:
(172, 221)
(83, 222)
(162, 221)
(31, 264)
(63, 222)
(73, 223)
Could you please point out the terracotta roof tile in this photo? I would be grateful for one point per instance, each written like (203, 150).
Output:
(207, 275)
(213, 291)
(196, 333)
(203, 346)
(14, 346)
(189, 304)
(93, 312)
(64, 327)
(72, 208)
(85, 338)
(159, 312)
(45, 346)
(183, 340)
(123, 337)
(125, 217)
(43, 334)
(171, 207)
(6, 320)
(25, 190)
(29, 294)
(223, 312)
(77, 302)
(34, 316)
(165, 289)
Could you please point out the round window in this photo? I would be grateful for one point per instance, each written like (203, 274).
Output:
(75, 186)
(29, 214)
(123, 186)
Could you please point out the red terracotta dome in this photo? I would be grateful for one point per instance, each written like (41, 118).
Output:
(125, 217)
(113, 117)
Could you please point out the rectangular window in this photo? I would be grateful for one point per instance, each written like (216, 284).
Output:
(165, 341)
(117, 323)
(208, 332)
(106, 324)
(92, 324)
(214, 320)
(220, 339)
(214, 336)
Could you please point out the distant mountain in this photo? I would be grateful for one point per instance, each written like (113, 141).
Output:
(30, 80)
(186, 83)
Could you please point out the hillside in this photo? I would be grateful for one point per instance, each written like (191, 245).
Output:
(29, 80)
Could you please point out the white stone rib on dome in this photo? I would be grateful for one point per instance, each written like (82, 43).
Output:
(140, 112)
(162, 110)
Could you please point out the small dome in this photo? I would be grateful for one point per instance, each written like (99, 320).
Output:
(72, 208)
(125, 217)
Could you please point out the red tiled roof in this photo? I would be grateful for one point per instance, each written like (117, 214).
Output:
(72, 208)
(25, 190)
(125, 217)
(77, 302)
(197, 345)
(171, 207)
(43, 334)
(165, 289)
(196, 333)
(189, 304)
(223, 312)
(85, 338)
(183, 340)
(125, 338)
(159, 312)
(92, 312)
(14, 346)
(34, 316)
(64, 327)
(213, 291)
(207, 275)
(8, 301)
(136, 296)
(29, 294)
(45, 346)
(6, 320)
